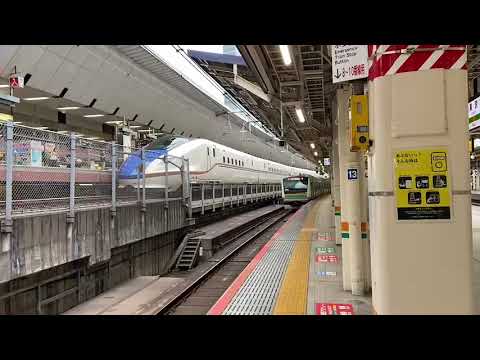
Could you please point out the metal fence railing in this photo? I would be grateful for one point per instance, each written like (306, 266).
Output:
(45, 171)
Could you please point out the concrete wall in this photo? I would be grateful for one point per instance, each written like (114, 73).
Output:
(41, 242)
(57, 289)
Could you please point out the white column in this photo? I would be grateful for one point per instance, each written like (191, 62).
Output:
(421, 266)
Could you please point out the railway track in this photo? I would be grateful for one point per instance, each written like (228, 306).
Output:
(226, 265)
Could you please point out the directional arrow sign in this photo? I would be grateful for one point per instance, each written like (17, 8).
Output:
(349, 62)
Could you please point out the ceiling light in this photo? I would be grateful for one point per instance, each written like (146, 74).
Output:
(300, 116)
(63, 132)
(312, 145)
(17, 122)
(36, 98)
(41, 128)
(116, 122)
(69, 108)
(287, 60)
(135, 126)
(93, 138)
(4, 86)
(93, 115)
(144, 130)
(315, 153)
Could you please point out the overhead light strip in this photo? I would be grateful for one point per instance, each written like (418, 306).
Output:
(287, 59)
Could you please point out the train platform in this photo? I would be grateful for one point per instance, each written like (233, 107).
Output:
(147, 295)
(298, 272)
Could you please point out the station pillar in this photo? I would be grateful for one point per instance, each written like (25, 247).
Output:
(350, 193)
(419, 194)
(335, 182)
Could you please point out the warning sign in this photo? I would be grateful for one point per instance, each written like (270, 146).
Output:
(349, 62)
(333, 309)
(422, 184)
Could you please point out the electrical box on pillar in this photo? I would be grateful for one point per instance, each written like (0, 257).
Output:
(359, 123)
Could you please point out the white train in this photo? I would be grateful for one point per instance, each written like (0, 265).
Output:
(209, 161)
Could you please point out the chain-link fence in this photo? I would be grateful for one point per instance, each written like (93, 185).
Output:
(44, 171)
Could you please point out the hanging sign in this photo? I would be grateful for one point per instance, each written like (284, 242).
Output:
(474, 113)
(422, 184)
(349, 62)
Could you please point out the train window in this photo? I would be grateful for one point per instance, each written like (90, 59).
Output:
(208, 151)
(213, 152)
(235, 162)
(224, 159)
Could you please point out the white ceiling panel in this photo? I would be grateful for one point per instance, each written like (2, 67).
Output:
(6, 54)
(77, 54)
(62, 77)
(60, 50)
(25, 58)
(81, 86)
(92, 61)
(44, 70)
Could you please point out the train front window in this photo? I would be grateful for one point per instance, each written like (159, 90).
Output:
(166, 142)
(296, 184)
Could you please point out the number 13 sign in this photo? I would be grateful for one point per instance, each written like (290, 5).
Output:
(352, 174)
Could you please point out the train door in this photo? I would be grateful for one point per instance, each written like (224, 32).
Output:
(209, 154)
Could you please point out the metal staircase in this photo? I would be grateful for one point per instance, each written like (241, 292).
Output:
(189, 255)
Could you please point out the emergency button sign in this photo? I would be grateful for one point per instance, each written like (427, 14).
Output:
(349, 62)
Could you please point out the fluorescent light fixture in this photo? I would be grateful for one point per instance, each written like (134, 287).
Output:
(93, 115)
(41, 128)
(116, 122)
(312, 145)
(135, 126)
(144, 130)
(69, 108)
(17, 122)
(315, 153)
(4, 86)
(93, 138)
(36, 98)
(79, 135)
(63, 132)
(300, 116)
(287, 60)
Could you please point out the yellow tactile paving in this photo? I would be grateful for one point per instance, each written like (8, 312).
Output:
(292, 297)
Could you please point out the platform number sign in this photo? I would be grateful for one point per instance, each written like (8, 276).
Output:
(352, 174)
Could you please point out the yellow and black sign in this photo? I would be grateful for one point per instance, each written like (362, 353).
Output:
(422, 185)
(359, 123)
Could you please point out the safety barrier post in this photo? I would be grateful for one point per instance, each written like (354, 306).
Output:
(143, 207)
(213, 197)
(189, 189)
(166, 181)
(7, 226)
(223, 196)
(71, 213)
(113, 210)
(202, 186)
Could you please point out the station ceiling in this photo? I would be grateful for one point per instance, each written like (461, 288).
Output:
(306, 82)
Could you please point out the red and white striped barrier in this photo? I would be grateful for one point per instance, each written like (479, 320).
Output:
(394, 59)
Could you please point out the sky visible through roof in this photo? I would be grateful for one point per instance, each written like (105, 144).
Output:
(197, 76)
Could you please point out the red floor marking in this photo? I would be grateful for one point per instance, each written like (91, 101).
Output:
(219, 307)
(326, 258)
(333, 309)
